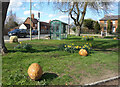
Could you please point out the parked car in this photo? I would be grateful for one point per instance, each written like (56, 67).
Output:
(18, 32)
(28, 32)
(34, 32)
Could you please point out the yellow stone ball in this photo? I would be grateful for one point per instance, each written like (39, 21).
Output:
(115, 38)
(83, 52)
(35, 71)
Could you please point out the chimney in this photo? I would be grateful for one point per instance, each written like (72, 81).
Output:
(49, 21)
(32, 16)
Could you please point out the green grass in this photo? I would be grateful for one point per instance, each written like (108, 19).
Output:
(59, 67)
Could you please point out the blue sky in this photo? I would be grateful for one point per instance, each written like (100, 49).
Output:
(47, 12)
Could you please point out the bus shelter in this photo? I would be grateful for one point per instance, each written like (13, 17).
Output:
(58, 30)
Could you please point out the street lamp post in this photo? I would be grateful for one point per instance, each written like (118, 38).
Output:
(69, 24)
(39, 25)
(30, 22)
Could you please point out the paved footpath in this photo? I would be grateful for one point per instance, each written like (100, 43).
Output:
(24, 39)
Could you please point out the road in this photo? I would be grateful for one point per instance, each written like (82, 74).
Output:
(42, 36)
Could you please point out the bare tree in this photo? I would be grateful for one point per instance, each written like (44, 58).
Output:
(77, 10)
(11, 20)
(4, 12)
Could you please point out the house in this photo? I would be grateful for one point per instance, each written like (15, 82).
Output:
(45, 27)
(23, 26)
(34, 22)
(114, 22)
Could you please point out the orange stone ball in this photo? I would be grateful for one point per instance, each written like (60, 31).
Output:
(115, 38)
(35, 71)
(83, 52)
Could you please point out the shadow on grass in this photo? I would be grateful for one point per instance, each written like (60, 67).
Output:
(48, 76)
(73, 39)
(32, 50)
(104, 46)
(105, 50)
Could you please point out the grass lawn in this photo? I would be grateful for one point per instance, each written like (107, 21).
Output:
(61, 67)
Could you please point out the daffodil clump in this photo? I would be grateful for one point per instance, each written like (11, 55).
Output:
(87, 38)
(87, 47)
(22, 46)
(75, 48)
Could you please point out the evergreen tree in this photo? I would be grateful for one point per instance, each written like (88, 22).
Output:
(109, 26)
(118, 28)
(89, 23)
(97, 27)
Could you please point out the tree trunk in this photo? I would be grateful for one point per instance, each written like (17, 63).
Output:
(3, 13)
(82, 18)
(78, 30)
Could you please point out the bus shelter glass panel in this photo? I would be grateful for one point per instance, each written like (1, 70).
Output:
(58, 30)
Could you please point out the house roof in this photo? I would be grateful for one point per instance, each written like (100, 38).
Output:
(44, 23)
(112, 17)
(27, 25)
(60, 21)
(34, 20)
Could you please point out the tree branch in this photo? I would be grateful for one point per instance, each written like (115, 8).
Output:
(63, 11)
(78, 13)
(71, 14)
(83, 13)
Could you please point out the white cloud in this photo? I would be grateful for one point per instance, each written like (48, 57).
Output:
(63, 17)
(20, 19)
(27, 12)
(15, 5)
(52, 15)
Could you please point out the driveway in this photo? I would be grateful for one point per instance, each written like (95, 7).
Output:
(42, 36)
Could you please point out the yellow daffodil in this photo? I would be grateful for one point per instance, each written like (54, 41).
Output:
(69, 46)
(83, 46)
(20, 42)
(90, 44)
(72, 43)
(76, 47)
(65, 45)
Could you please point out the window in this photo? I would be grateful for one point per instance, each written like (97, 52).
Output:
(113, 22)
(104, 22)
(113, 28)
(104, 28)
(35, 25)
(45, 26)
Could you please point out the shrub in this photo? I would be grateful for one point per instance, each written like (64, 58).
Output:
(87, 38)
(21, 46)
(75, 48)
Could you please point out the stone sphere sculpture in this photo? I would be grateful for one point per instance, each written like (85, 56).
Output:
(35, 71)
(83, 52)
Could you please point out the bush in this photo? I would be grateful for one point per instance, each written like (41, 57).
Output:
(75, 48)
(87, 38)
(21, 46)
